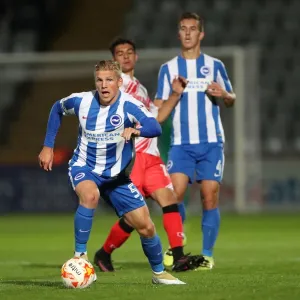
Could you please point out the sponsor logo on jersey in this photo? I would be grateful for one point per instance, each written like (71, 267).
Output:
(103, 137)
(197, 85)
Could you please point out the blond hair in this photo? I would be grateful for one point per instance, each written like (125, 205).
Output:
(109, 65)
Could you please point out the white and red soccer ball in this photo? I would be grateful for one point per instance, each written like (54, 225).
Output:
(77, 273)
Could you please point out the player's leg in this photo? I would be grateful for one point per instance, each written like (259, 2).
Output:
(159, 186)
(151, 244)
(167, 200)
(210, 220)
(129, 203)
(182, 212)
(180, 195)
(174, 229)
(181, 169)
(85, 185)
(209, 173)
(120, 231)
(118, 235)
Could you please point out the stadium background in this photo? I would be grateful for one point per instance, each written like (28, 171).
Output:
(29, 86)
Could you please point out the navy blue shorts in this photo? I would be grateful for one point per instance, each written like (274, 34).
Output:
(119, 191)
(205, 160)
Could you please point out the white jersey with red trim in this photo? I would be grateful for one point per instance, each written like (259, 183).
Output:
(139, 92)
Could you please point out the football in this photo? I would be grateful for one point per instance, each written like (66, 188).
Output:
(77, 273)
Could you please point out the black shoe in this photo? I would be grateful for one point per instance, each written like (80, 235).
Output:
(187, 262)
(102, 259)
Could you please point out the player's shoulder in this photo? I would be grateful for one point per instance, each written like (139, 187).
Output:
(168, 63)
(217, 61)
(81, 95)
(142, 87)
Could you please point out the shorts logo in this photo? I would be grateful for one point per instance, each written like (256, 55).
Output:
(116, 120)
(169, 164)
(79, 176)
(204, 70)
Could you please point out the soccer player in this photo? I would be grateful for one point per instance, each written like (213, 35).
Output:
(197, 132)
(149, 173)
(102, 159)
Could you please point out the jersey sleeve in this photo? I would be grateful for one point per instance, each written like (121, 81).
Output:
(222, 78)
(164, 83)
(70, 105)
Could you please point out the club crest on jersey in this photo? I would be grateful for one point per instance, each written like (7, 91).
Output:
(205, 70)
(116, 120)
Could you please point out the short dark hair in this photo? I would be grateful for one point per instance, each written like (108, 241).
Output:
(191, 15)
(120, 41)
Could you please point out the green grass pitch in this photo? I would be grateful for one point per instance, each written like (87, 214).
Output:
(257, 257)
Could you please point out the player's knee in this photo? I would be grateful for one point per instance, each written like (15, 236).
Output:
(210, 194)
(179, 193)
(165, 197)
(180, 197)
(210, 199)
(147, 229)
(89, 199)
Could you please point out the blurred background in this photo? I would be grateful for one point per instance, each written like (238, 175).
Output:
(48, 50)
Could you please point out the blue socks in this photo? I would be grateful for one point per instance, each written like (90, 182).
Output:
(181, 208)
(153, 250)
(82, 224)
(210, 230)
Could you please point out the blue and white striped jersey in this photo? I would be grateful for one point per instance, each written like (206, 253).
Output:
(100, 145)
(196, 119)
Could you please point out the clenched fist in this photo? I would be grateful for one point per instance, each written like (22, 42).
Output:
(179, 84)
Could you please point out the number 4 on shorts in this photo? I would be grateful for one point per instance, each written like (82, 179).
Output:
(219, 169)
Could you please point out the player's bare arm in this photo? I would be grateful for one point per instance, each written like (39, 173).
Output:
(165, 107)
(215, 90)
(46, 158)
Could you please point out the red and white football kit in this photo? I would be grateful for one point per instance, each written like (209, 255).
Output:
(149, 172)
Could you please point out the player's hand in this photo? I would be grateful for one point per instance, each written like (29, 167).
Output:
(46, 158)
(130, 132)
(179, 83)
(215, 90)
